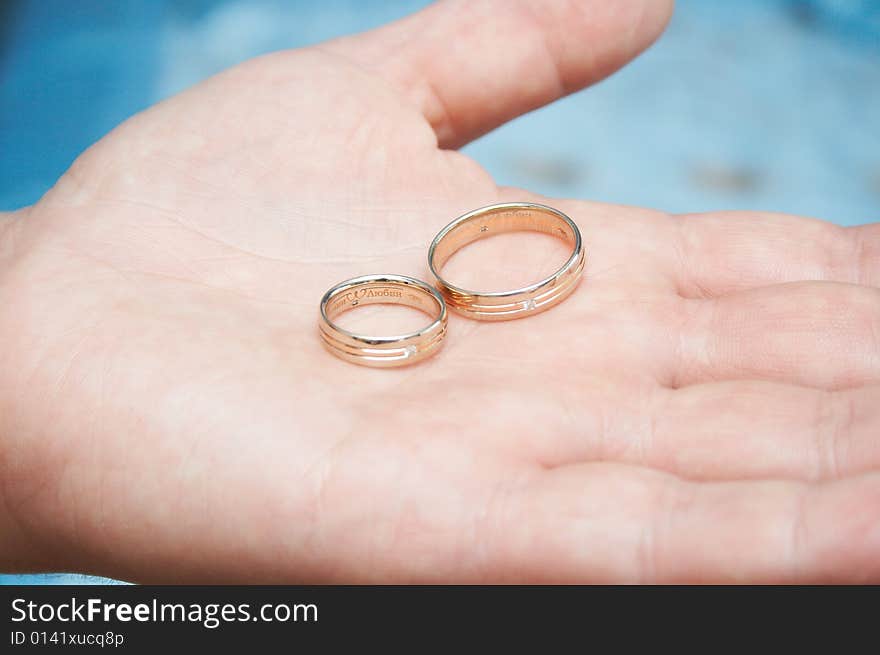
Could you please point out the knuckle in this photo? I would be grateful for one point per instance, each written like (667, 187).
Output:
(832, 425)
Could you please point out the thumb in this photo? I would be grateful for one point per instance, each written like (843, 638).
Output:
(471, 65)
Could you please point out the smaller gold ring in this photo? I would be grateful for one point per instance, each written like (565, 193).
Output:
(496, 219)
(382, 351)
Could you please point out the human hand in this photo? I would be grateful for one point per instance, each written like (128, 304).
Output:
(704, 408)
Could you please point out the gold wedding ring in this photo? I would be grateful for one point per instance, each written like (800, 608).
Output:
(496, 219)
(382, 351)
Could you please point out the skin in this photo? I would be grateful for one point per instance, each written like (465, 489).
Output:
(705, 408)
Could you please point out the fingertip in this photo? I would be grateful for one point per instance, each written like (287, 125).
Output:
(839, 538)
(639, 23)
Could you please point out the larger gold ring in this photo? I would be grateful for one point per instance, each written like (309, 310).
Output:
(382, 351)
(495, 219)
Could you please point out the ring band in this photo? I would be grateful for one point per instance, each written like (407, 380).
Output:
(389, 351)
(496, 219)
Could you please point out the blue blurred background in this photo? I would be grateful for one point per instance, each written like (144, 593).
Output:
(753, 104)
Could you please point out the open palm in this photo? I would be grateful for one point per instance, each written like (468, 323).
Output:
(704, 407)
